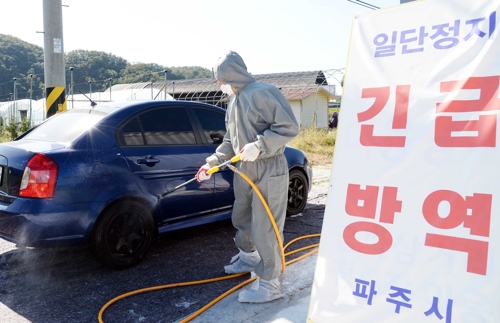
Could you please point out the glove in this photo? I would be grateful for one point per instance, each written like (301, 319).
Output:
(213, 161)
(250, 152)
(202, 173)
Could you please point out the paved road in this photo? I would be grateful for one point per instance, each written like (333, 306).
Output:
(67, 285)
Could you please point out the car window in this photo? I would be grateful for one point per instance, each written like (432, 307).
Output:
(163, 126)
(213, 124)
(132, 134)
(66, 126)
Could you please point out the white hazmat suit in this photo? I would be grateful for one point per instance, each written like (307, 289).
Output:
(259, 115)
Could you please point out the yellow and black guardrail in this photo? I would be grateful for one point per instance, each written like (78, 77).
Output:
(56, 100)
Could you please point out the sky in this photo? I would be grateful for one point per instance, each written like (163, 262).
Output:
(272, 36)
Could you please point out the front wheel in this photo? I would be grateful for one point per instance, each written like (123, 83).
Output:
(297, 193)
(123, 235)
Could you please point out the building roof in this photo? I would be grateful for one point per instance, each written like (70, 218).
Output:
(302, 93)
(280, 80)
(293, 85)
(293, 79)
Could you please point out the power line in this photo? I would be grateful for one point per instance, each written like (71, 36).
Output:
(364, 4)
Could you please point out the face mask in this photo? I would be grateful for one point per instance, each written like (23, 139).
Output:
(226, 88)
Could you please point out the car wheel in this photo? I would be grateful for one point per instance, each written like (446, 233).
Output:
(297, 192)
(123, 235)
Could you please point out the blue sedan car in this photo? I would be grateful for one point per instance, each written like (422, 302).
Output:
(95, 176)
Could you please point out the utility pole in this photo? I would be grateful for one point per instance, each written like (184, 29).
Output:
(55, 79)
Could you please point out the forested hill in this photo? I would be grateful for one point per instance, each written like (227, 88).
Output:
(19, 59)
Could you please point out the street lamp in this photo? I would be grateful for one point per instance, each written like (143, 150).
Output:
(15, 99)
(110, 85)
(90, 90)
(31, 96)
(71, 88)
(10, 107)
(165, 71)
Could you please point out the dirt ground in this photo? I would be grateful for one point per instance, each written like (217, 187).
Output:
(68, 285)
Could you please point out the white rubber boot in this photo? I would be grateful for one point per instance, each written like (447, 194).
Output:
(261, 291)
(243, 262)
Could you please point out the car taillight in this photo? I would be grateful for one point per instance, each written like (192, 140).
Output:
(39, 177)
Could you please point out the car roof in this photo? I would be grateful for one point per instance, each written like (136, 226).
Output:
(111, 107)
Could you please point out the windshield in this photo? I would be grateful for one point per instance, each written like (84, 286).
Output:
(66, 126)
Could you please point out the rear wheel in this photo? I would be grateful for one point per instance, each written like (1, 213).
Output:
(297, 193)
(123, 235)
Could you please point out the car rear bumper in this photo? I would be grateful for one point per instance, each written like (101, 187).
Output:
(38, 222)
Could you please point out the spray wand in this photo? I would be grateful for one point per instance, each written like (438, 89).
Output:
(211, 171)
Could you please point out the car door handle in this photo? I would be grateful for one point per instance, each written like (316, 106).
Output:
(148, 160)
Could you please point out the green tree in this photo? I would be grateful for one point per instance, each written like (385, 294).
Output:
(142, 72)
(191, 72)
(94, 66)
(12, 130)
(18, 59)
(25, 125)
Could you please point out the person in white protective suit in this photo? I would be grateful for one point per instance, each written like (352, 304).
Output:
(260, 122)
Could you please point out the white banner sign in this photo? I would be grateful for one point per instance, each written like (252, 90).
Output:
(412, 223)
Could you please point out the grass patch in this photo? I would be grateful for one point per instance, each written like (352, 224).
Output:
(4, 137)
(318, 144)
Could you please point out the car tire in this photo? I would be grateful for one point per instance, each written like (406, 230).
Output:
(298, 188)
(123, 235)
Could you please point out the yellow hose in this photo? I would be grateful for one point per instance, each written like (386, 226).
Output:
(197, 282)
(204, 308)
(271, 217)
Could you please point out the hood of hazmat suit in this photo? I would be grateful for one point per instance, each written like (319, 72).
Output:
(257, 113)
